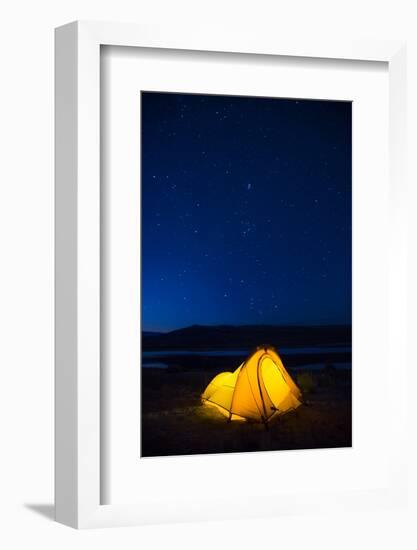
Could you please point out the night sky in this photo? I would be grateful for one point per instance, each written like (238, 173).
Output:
(246, 211)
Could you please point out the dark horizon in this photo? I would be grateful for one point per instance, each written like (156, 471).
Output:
(246, 211)
(281, 326)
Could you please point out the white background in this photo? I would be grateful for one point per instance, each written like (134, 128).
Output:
(26, 271)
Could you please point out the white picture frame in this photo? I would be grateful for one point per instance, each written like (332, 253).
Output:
(78, 405)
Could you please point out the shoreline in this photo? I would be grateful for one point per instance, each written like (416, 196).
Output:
(231, 362)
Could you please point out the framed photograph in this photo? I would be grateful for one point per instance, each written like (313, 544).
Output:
(230, 275)
(246, 241)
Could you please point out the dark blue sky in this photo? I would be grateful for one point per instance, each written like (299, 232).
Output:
(246, 211)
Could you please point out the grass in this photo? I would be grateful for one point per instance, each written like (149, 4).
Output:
(174, 422)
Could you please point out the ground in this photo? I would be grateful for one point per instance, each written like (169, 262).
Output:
(174, 422)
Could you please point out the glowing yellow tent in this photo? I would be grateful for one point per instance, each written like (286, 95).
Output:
(259, 389)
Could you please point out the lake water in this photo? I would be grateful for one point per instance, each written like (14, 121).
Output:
(318, 366)
(154, 359)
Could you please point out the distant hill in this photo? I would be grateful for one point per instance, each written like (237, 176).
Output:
(247, 336)
(150, 334)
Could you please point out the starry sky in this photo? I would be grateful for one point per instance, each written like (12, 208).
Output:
(246, 211)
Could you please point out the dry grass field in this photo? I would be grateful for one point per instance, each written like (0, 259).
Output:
(174, 422)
